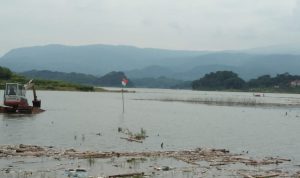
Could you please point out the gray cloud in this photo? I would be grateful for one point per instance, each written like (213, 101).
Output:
(176, 24)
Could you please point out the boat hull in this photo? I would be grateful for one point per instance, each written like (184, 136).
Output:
(21, 110)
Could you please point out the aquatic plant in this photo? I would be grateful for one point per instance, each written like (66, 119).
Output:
(138, 136)
(134, 160)
(91, 161)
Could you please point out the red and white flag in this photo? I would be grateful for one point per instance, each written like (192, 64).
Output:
(124, 82)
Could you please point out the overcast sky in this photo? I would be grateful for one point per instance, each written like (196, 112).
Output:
(171, 24)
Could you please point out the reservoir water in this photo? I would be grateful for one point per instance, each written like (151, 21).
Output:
(90, 121)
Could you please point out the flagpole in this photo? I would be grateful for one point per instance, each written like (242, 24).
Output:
(124, 83)
(123, 99)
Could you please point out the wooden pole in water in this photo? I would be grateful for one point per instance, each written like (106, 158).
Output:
(124, 83)
(123, 98)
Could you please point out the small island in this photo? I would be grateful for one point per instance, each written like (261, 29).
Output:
(230, 81)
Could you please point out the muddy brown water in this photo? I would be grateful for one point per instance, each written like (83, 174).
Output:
(75, 119)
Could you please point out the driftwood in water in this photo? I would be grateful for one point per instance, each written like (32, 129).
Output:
(132, 139)
(246, 175)
(215, 157)
(127, 175)
(267, 176)
(259, 176)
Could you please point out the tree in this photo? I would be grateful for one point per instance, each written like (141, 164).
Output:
(266, 81)
(219, 80)
(262, 81)
(5, 73)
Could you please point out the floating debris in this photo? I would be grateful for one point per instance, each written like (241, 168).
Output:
(214, 159)
(78, 173)
(163, 168)
(137, 174)
(213, 156)
(133, 137)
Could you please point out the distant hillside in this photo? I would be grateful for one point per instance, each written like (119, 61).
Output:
(160, 82)
(90, 59)
(141, 63)
(276, 49)
(112, 79)
(190, 73)
(246, 65)
(150, 72)
(61, 76)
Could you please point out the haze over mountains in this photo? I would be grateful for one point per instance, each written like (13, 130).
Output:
(92, 59)
(140, 63)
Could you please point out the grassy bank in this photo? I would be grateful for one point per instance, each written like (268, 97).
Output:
(7, 76)
(48, 84)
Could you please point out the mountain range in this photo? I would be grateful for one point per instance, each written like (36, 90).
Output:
(138, 63)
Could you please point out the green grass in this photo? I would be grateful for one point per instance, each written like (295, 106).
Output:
(48, 84)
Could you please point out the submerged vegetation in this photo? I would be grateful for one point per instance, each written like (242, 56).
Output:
(230, 101)
(139, 136)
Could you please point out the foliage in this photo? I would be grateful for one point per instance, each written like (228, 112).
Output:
(262, 81)
(7, 76)
(112, 79)
(5, 73)
(60, 85)
(224, 80)
(279, 81)
(139, 135)
(72, 77)
(219, 80)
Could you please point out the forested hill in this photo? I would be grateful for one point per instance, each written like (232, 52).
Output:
(7, 76)
(111, 79)
(228, 80)
(216, 81)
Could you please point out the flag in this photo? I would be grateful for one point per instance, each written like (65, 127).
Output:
(124, 82)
